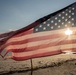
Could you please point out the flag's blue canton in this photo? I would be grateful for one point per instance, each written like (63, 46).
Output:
(63, 19)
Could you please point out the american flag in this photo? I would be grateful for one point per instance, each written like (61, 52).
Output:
(44, 37)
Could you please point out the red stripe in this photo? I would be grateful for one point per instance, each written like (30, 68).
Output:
(36, 39)
(26, 49)
(37, 55)
(39, 37)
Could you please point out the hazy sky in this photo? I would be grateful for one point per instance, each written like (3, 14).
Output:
(16, 14)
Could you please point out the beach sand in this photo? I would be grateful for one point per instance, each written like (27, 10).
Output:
(62, 64)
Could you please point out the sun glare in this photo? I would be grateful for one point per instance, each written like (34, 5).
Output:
(68, 32)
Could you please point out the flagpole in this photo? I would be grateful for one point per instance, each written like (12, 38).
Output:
(31, 67)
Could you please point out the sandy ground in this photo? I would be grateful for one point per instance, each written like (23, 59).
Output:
(63, 64)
